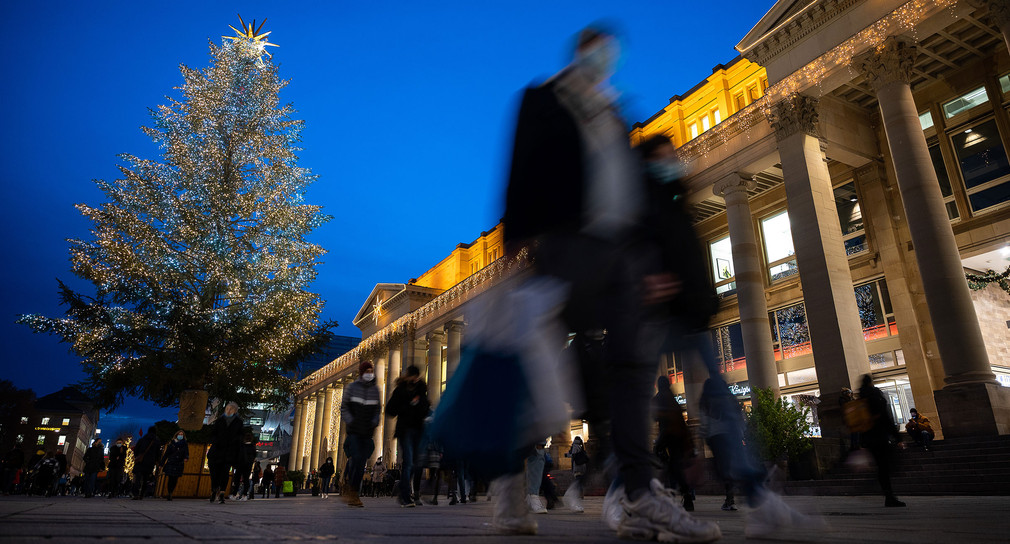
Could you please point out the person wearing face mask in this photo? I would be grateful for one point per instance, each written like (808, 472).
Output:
(117, 464)
(576, 199)
(360, 411)
(225, 450)
(409, 405)
(173, 461)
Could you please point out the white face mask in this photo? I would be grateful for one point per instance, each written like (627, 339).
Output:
(368, 376)
(179, 437)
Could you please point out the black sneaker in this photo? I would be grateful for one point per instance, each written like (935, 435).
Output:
(893, 502)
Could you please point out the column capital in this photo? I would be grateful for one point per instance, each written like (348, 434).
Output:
(435, 334)
(454, 326)
(737, 181)
(891, 62)
(999, 10)
(796, 113)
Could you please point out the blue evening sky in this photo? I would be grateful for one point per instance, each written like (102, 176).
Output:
(409, 110)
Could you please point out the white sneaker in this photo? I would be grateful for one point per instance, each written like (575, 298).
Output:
(613, 512)
(572, 498)
(774, 515)
(657, 516)
(536, 505)
(511, 511)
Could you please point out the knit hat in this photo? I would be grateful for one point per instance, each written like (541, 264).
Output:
(365, 366)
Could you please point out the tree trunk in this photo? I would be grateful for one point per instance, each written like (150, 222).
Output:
(192, 407)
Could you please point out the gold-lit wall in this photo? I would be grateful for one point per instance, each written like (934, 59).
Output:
(464, 261)
(729, 89)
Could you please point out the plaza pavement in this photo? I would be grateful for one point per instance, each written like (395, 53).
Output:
(306, 518)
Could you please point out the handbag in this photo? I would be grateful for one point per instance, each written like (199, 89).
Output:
(508, 392)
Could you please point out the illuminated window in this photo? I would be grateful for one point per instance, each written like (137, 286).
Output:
(764, 85)
(925, 120)
(729, 351)
(790, 334)
(723, 275)
(936, 155)
(1004, 83)
(965, 102)
(984, 167)
(806, 375)
(24, 420)
(41, 440)
(255, 421)
(717, 116)
(66, 421)
(778, 242)
(705, 123)
(694, 130)
(850, 217)
(875, 313)
(752, 92)
(45, 421)
(62, 440)
(740, 101)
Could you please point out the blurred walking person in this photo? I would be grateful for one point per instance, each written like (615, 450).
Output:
(409, 405)
(360, 411)
(267, 481)
(577, 198)
(673, 443)
(225, 450)
(173, 461)
(882, 438)
(146, 453)
(280, 476)
(94, 462)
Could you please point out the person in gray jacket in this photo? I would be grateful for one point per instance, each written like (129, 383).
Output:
(360, 411)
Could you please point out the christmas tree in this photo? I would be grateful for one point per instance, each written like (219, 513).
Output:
(199, 261)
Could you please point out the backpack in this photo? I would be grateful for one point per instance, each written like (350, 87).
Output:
(857, 415)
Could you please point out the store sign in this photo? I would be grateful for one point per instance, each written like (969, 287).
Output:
(54, 429)
(265, 444)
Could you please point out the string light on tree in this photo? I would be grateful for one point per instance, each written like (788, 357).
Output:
(199, 259)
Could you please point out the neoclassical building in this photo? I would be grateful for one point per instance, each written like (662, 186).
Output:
(847, 171)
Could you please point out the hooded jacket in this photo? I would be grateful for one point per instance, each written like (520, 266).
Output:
(409, 405)
(360, 407)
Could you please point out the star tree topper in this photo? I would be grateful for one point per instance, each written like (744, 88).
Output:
(252, 39)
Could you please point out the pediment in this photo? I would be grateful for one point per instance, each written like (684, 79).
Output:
(779, 14)
(380, 293)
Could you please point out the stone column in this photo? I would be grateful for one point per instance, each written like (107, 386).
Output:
(317, 431)
(836, 334)
(307, 430)
(324, 441)
(972, 403)
(434, 378)
(296, 431)
(380, 382)
(750, 284)
(334, 434)
(389, 441)
(454, 338)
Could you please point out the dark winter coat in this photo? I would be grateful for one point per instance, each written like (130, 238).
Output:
(117, 457)
(94, 459)
(226, 441)
(326, 470)
(146, 454)
(175, 457)
(247, 457)
(409, 405)
(360, 407)
(884, 430)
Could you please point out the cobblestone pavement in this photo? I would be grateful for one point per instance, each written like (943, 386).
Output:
(305, 518)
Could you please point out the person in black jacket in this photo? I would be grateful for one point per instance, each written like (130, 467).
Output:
(225, 450)
(145, 457)
(359, 409)
(882, 438)
(173, 461)
(117, 463)
(326, 471)
(245, 467)
(94, 462)
(673, 442)
(409, 405)
(267, 481)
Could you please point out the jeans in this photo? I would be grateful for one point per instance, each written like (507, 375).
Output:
(358, 449)
(410, 443)
(324, 485)
(534, 471)
(90, 480)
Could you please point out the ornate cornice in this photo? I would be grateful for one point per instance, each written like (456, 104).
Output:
(999, 10)
(785, 36)
(890, 62)
(797, 113)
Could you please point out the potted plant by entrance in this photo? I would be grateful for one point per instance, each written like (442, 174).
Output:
(778, 429)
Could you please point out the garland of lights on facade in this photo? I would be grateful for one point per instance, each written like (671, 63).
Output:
(978, 282)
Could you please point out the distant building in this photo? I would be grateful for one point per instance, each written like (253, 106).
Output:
(337, 346)
(65, 421)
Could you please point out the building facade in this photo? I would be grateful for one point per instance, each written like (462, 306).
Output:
(65, 421)
(849, 175)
